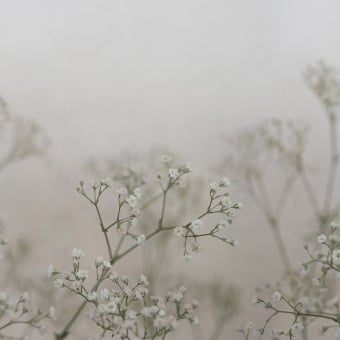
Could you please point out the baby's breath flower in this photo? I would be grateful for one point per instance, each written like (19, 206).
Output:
(122, 191)
(92, 296)
(224, 182)
(143, 280)
(334, 225)
(104, 294)
(99, 261)
(173, 173)
(276, 296)
(82, 274)
(114, 276)
(132, 201)
(250, 325)
(77, 253)
(179, 231)
(141, 239)
(165, 158)
(138, 193)
(321, 239)
(106, 265)
(316, 282)
(185, 168)
(225, 201)
(213, 186)
(235, 244)
(51, 313)
(187, 257)
(297, 328)
(51, 271)
(196, 225)
(58, 283)
(3, 296)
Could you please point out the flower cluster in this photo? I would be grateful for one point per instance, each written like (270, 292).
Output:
(19, 310)
(220, 203)
(313, 290)
(123, 309)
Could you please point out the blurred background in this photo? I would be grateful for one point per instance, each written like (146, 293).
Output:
(105, 79)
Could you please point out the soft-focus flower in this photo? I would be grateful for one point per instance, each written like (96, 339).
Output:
(276, 296)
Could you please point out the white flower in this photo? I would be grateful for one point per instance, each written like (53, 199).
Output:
(98, 261)
(127, 291)
(179, 231)
(138, 193)
(196, 225)
(276, 296)
(104, 294)
(165, 158)
(130, 314)
(250, 325)
(125, 279)
(223, 225)
(122, 191)
(185, 168)
(111, 307)
(213, 186)
(297, 328)
(132, 201)
(194, 320)
(41, 328)
(224, 182)
(82, 274)
(51, 271)
(321, 239)
(336, 256)
(114, 276)
(107, 265)
(141, 292)
(143, 280)
(3, 296)
(187, 257)
(226, 201)
(92, 296)
(141, 239)
(334, 225)
(195, 246)
(51, 313)
(77, 253)
(108, 181)
(58, 283)
(316, 282)
(173, 173)
(235, 244)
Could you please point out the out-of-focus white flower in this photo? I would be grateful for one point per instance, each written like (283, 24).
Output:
(179, 231)
(141, 239)
(224, 182)
(196, 225)
(138, 193)
(276, 296)
(165, 158)
(132, 201)
(173, 173)
(321, 239)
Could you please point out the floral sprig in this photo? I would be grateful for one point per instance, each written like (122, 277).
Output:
(318, 303)
(15, 311)
(125, 311)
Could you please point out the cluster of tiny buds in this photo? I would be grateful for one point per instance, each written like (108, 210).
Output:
(219, 203)
(122, 308)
